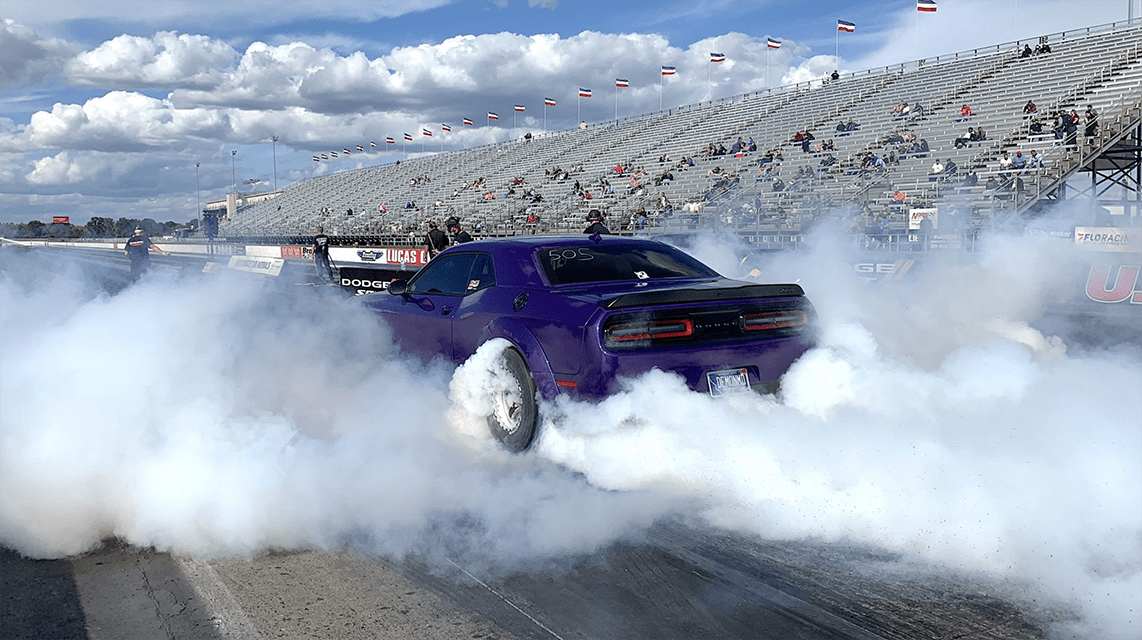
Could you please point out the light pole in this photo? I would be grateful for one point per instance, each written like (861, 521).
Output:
(274, 140)
(198, 191)
(233, 173)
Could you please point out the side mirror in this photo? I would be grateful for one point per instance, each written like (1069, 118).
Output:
(398, 287)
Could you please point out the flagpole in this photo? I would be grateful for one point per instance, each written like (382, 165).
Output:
(545, 115)
(837, 53)
(579, 106)
(709, 85)
(768, 84)
(616, 102)
(660, 76)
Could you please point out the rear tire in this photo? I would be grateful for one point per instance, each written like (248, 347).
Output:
(515, 412)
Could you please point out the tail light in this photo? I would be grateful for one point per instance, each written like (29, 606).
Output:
(631, 332)
(774, 320)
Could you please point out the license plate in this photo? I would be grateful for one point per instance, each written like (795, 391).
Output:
(726, 382)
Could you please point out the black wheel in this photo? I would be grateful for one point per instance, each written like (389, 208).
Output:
(515, 413)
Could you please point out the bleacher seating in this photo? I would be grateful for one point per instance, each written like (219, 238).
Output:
(1099, 66)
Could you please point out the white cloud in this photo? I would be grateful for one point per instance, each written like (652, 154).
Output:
(165, 60)
(26, 58)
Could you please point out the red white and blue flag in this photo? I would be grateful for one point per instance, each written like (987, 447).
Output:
(325, 156)
(408, 137)
(669, 71)
(843, 25)
(548, 102)
(372, 143)
(925, 5)
(360, 148)
(717, 57)
(622, 82)
(772, 44)
(425, 132)
(520, 107)
(389, 140)
(493, 115)
(584, 93)
(346, 150)
(332, 154)
(316, 159)
(445, 127)
(466, 122)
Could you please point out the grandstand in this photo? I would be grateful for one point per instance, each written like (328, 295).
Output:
(864, 174)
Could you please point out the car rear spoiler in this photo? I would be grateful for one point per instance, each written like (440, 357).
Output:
(687, 295)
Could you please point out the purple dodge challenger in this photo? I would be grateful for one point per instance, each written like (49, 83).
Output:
(581, 311)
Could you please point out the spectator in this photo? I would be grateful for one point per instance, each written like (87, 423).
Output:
(980, 136)
(836, 76)
(950, 168)
(965, 141)
(1034, 161)
(1027, 52)
(1005, 163)
(1091, 122)
(1042, 48)
(1029, 108)
(1036, 128)
(936, 171)
(595, 223)
(459, 236)
(965, 113)
(436, 240)
(971, 179)
(1018, 162)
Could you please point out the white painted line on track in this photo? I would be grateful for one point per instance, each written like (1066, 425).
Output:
(229, 618)
(506, 601)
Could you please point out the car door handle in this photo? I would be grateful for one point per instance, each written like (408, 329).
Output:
(445, 310)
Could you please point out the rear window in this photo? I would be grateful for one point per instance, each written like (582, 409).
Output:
(617, 263)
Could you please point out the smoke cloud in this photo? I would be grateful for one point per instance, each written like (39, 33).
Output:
(216, 417)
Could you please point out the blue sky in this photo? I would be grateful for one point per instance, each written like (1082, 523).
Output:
(105, 107)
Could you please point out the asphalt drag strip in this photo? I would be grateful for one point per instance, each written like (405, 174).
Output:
(676, 583)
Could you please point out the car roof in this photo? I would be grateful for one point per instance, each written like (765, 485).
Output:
(518, 251)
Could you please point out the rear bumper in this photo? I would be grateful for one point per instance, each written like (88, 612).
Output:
(766, 361)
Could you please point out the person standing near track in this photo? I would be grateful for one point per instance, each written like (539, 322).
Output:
(436, 241)
(321, 255)
(138, 248)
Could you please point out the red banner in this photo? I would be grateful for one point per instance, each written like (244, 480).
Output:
(61, 219)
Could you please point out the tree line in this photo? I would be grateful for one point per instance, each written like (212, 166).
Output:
(95, 228)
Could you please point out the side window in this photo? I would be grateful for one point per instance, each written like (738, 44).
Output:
(483, 273)
(447, 275)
